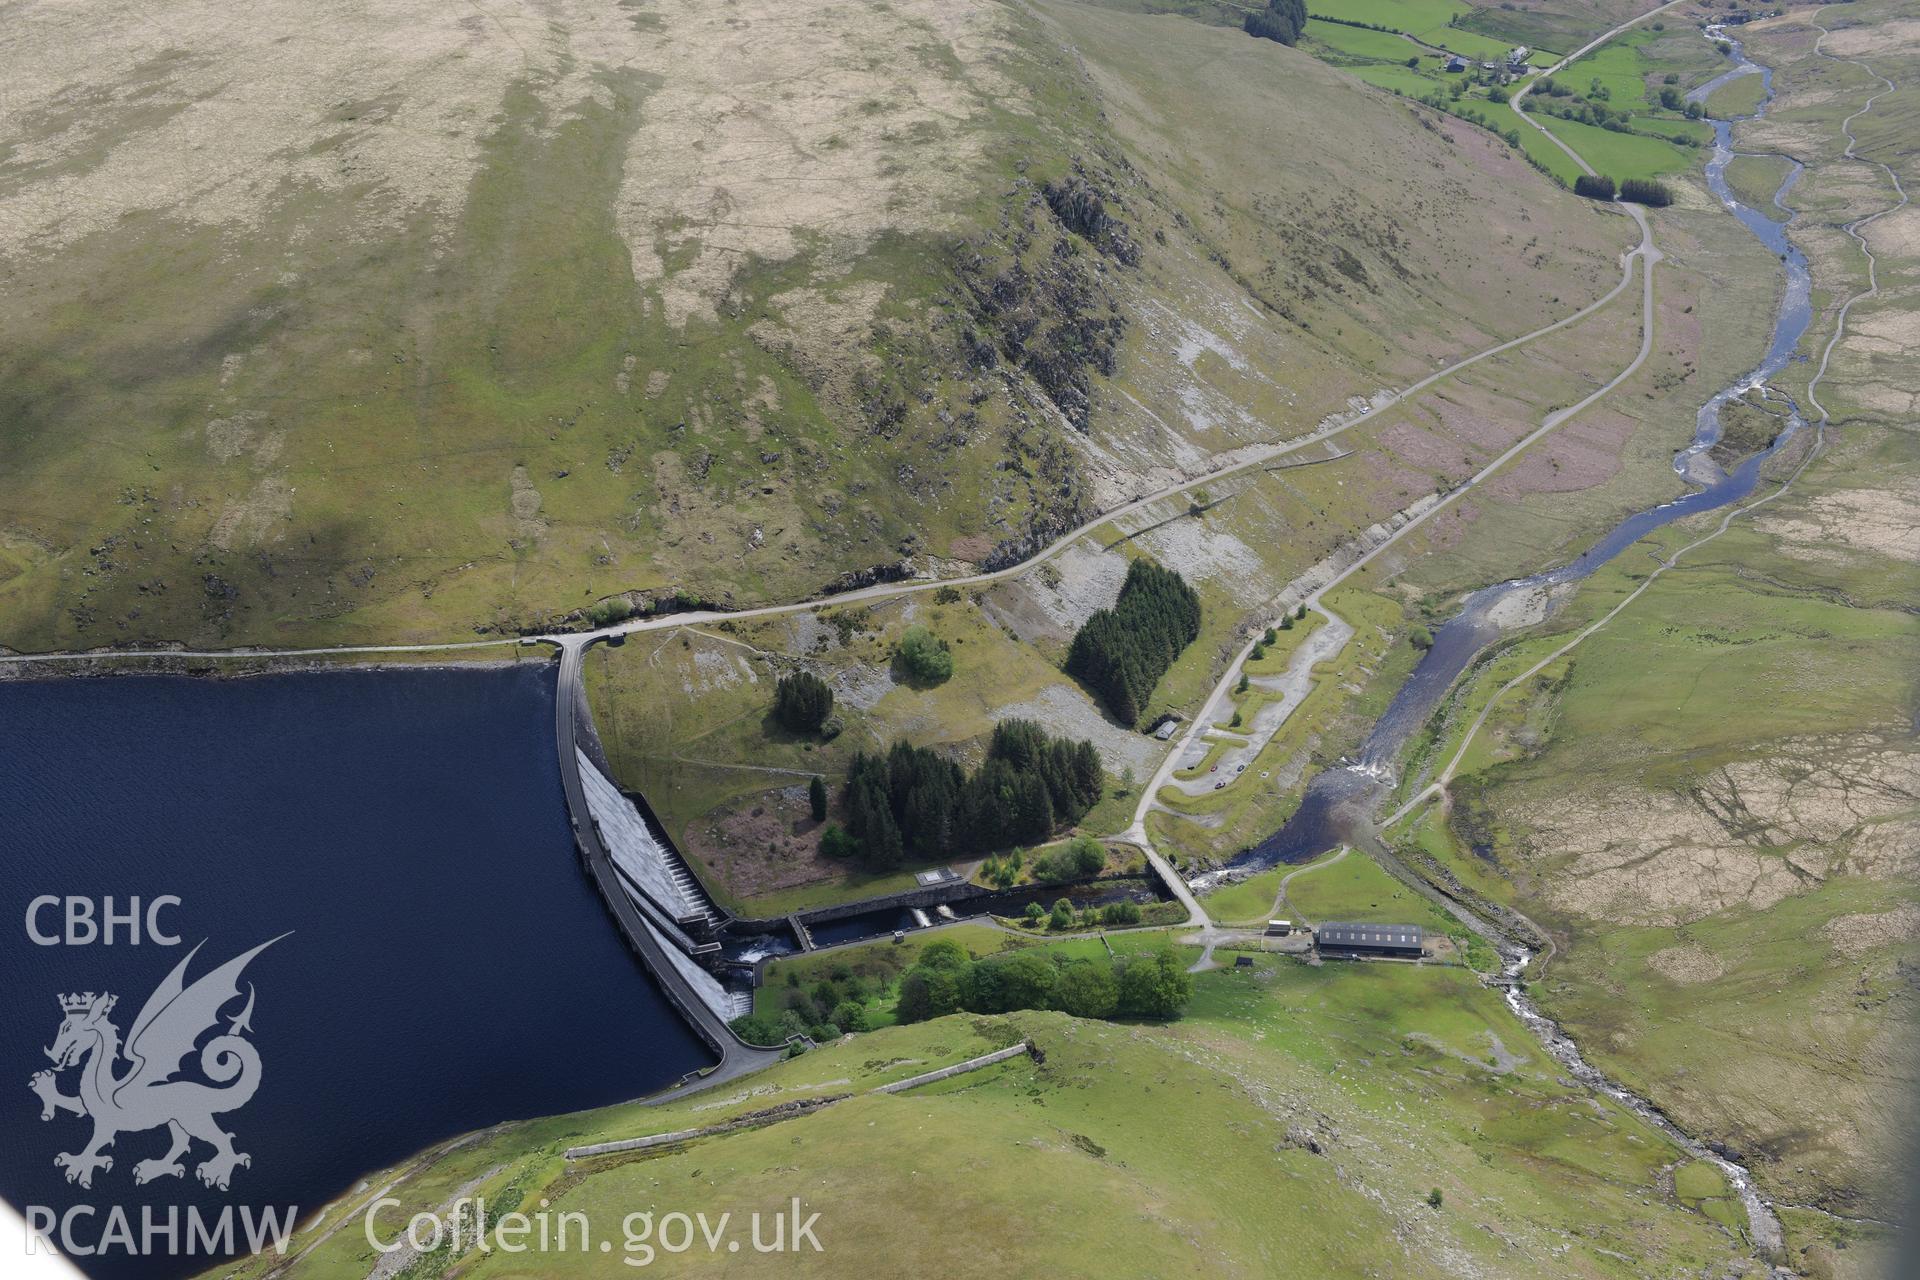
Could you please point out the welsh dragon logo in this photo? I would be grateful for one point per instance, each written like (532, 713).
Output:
(145, 1095)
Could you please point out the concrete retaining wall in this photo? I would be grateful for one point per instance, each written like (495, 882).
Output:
(801, 1107)
(958, 1068)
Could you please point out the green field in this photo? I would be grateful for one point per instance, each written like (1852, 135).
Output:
(1740, 96)
(1363, 43)
(1628, 75)
(1620, 155)
(1697, 130)
(1414, 84)
(1355, 888)
(1619, 67)
(1538, 146)
(1615, 75)
(1476, 47)
(1249, 901)
(1413, 16)
(1430, 21)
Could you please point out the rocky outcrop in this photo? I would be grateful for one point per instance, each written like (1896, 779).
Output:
(871, 576)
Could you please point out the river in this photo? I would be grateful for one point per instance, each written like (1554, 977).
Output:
(1336, 796)
(1339, 803)
(449, 965)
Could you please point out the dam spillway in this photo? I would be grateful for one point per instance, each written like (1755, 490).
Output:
(646, 866)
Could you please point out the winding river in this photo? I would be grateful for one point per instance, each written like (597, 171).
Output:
(1339, 803)
(1337, 796)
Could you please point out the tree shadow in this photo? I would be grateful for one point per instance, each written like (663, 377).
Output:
(903, 674)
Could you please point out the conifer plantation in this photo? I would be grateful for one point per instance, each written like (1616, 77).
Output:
(913, 802)
(1281, 20)
(1121, 653)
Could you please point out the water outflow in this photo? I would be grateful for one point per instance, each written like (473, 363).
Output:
(1337, 796)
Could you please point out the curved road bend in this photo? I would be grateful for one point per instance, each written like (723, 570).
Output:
(737, 1057)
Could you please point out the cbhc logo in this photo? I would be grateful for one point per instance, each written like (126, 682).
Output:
(80, 924)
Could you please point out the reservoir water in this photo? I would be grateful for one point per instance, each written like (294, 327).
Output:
(448, 964)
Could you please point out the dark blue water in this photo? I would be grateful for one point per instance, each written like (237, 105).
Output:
(1012, 902)
(449, 965)
(1334, 796)
(868, 924)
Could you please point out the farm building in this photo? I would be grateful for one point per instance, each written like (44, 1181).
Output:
(1456, 63)
(1369, 939)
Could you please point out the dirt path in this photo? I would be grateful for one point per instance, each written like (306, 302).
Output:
(1287, 879)
(1854, 228)
(1650, 254)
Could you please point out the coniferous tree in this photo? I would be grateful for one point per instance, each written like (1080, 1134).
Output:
(1595, 186)
(802, 702)
(1646, 191)
(883, 847)
(912, 801)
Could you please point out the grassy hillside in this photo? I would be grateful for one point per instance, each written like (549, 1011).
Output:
(1341, 1120)
(684, 718)
(482, 324)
